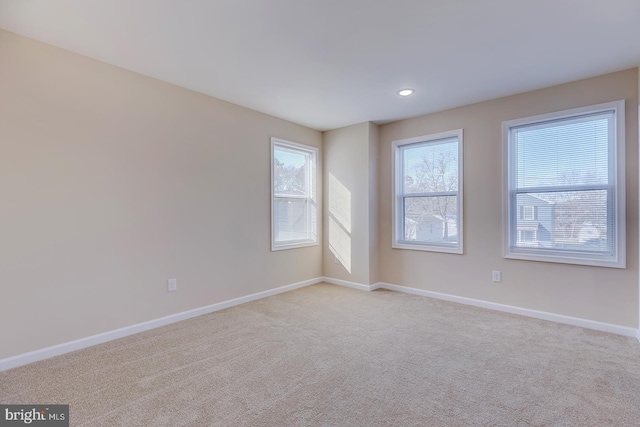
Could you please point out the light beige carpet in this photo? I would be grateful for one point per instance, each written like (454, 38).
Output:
(331, 356)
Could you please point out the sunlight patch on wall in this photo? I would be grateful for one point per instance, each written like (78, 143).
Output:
(340, 203)
(340, 222)
(340, 243)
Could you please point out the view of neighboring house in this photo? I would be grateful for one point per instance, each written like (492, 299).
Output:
(430, 228)
(535, 224)
(542, 223)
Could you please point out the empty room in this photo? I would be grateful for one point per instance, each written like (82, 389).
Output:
(319, 213)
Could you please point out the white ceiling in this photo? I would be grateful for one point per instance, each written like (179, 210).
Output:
(331, 63)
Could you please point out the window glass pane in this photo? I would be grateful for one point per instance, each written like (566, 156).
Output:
(290, 172)
(431, 219)
(430, 167)
(291, 219)
(563, 152)
(567, 221)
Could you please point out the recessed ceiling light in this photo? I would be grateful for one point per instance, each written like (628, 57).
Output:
(405, 92)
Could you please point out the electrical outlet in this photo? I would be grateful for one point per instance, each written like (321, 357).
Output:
(496, 276)
(336, 260)
(172, 285)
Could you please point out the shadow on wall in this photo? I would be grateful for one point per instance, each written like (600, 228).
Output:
(340, 222)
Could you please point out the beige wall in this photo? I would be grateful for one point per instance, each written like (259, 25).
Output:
(350, 157)
(111, 183)
(600, 294)
(374, 243)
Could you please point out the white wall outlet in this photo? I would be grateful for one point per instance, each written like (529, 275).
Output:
(496, 276)
(336, 260)
(172, 284)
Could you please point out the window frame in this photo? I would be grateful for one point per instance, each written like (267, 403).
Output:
(311, 184)
(398, 195)
(616, 189)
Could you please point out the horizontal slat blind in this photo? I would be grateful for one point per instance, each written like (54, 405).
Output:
(563, 171)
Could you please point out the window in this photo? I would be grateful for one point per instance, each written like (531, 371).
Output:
(427, 212)
(294, 216)
(528, 212)
(564, 186)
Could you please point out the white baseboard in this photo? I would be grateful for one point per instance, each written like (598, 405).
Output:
(559, 318)
(56, 350)
(348, 284)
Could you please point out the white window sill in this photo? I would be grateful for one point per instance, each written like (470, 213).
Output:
(589, 261)
(299, 244)
(427, 247)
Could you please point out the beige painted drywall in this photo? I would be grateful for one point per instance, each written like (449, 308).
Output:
(111, 183)
(374, 244)
(600, 294)
(350, 157)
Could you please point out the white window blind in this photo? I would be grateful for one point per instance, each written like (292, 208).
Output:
(294, 205)
(563, 187)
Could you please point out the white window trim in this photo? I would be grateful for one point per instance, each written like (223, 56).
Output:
(313, 179)
(508, 214)
(397, 192)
